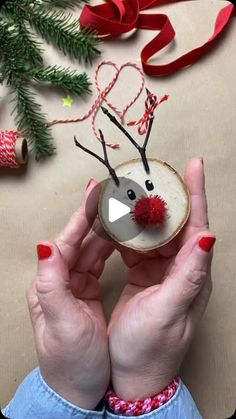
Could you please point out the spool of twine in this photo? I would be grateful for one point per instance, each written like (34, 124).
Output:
(13, 150)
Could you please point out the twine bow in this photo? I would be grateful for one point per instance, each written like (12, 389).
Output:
(150, 105)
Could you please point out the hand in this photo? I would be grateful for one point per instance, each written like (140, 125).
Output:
(168, 290)
(68, 320)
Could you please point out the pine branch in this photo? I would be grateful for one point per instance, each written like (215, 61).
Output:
(21, 59)
(14, 9)
(8, 42)
(66, 79)
(26, 44)
(8, 38)
(30, 117)
(17, 47)
(65, 33)
(64, 3)
(30, 47)
(2, 3)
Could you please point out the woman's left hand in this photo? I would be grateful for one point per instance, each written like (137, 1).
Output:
(67, 315)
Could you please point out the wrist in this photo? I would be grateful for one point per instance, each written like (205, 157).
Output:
(80, 400)
(87, 400)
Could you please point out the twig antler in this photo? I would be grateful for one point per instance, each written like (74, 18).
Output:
(104, 161)
(150, 105)
(141, 149)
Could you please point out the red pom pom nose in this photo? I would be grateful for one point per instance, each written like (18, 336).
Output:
(150, 211)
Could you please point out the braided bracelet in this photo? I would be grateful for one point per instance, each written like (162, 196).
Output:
(140, 407)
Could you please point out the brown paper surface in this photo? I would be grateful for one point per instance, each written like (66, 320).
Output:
(36, 202)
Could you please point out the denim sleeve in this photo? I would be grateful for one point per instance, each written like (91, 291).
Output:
(35, 400)
(180, 406)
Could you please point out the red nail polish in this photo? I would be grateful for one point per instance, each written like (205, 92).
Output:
(206, 243)
(44, 252)
(89, 183)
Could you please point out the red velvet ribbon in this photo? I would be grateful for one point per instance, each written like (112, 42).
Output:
(120, 16)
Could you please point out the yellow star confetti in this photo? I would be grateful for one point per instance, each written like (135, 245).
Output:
(67, 101)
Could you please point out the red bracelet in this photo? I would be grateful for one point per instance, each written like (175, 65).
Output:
(140, 407)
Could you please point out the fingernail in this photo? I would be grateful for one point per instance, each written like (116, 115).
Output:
(89, 183)
(44, 252)
(206, 243)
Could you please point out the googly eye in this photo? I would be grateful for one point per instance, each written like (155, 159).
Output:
(149, 185)
(131, 194)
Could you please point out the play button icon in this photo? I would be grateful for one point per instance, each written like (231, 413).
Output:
(117, 210)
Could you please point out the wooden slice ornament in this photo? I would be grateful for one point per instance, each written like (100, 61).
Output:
(163, 211)
(156, 194)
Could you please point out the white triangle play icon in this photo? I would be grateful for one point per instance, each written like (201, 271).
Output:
(117, 210)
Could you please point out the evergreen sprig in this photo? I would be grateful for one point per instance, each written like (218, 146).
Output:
(9, 51)
(21, 60)
(30, 118)
(30, 48)
(63, 78)
(65, 33)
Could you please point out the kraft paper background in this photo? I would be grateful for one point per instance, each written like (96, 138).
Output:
(35, 203)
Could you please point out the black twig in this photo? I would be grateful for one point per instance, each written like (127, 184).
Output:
(104, 161)
(87, 150)
(142, 150)
(115, 122)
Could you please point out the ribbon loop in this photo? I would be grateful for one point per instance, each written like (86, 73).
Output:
(120, 16)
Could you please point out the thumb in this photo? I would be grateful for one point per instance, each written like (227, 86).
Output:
(52, 282)
(189, 272)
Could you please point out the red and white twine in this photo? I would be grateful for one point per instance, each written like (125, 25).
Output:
(102, 97)
(7, 149)
(140, 407)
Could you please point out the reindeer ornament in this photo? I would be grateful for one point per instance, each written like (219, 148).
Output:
(155, 193)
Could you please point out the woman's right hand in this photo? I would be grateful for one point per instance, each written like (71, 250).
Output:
(167, 293)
